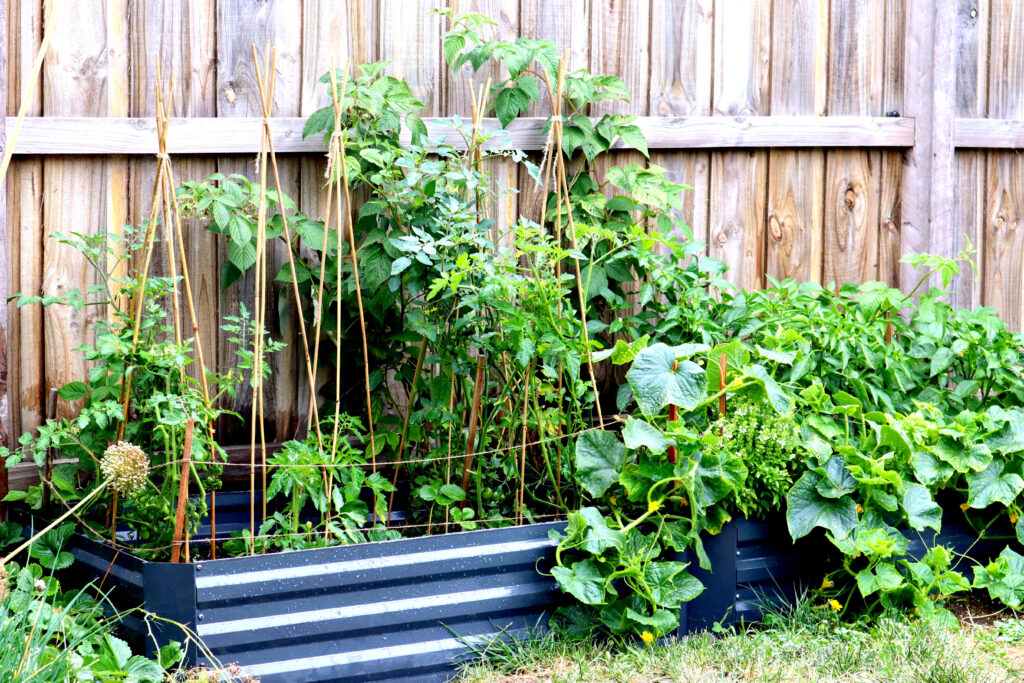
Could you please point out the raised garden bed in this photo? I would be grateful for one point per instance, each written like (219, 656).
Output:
(395, 610)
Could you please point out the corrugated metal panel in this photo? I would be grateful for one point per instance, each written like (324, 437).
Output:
(378, 611)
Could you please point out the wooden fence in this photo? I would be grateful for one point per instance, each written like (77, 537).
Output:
(823, 138)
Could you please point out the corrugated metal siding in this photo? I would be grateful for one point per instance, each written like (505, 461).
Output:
(378, 611)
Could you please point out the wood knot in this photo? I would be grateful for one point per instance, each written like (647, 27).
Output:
(229, 95)
(850, 198)
(890, 224)
(775, 227)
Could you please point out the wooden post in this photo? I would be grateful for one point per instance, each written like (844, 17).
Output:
(929, 78)
(721, 385)
(5, 289)
(179, 515)
(51, 414)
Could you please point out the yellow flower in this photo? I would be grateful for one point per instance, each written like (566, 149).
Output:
(613, 501)
(835, 605)
(653, 506)
(826, 583)
(964, 506)
(1014, 517)
(860, 508)
(647, 637)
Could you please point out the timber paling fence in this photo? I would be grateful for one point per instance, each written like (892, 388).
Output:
(822, 139)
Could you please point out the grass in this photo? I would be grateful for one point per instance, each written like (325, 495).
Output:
(802, 645)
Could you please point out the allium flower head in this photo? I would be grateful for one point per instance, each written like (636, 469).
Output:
(125, 465)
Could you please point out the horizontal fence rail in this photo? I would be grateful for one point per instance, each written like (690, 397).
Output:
(137, 136)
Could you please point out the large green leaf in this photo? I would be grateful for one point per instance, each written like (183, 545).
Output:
(670, 584)
(656, 384)
(599, 459)
(921, 510)
(661, 622)
(598, 537)
(639, 433)
(718, 474)
(963, 459)
(583, 580)
(836, 480)
(1004, 578)
(49, 548)
(806, 509)
(991, 485)
(884, 577)
(1009, 439)
(778, 398)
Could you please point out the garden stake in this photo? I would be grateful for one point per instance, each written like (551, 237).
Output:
(179, 514)
(51, 414)
(474, 418)
(259, 303)
(561, 179)
(340, 159)
(721, 385)
(522, 453)
(673, 415)
(55, 523)
(318, 310)
(266, 100)
(405, 423)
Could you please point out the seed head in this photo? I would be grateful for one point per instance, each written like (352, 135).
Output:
(125, 465)
(3, 583)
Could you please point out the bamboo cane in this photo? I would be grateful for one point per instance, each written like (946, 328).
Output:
(179, 515)
(474, 418)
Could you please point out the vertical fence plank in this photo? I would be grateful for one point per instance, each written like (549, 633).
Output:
(184, 39)
(738, 178)
(890, 191)
(972, 17)
(569, 28)
(796, 178)
(75, 83)
(5, 285)
(681, 67)
(504, 208)
(1004, 234)
(852, 176)
(410, 38)
(25, 227)
(238, 95)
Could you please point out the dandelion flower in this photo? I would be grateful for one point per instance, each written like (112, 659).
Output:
(647, 637)
(125, 465)
(835, 605)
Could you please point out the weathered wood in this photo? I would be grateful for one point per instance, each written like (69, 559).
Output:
(410, 38)
(979, 133)
(739, 179)
(5, 285)
(890, 208)
(796, 178)
(971, 100)
(852, 177)
(1004, 235)
(25, 228)
(59, 136)
(238, 97)
(75, 83)
(681, 35)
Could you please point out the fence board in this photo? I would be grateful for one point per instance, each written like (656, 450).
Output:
(681, 37)
(796, 179)
(773, 111)
(852, 176)
(739, 179)
(24, 228)
(1004, 238)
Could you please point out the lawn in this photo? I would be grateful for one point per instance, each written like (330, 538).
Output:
(806, 644)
